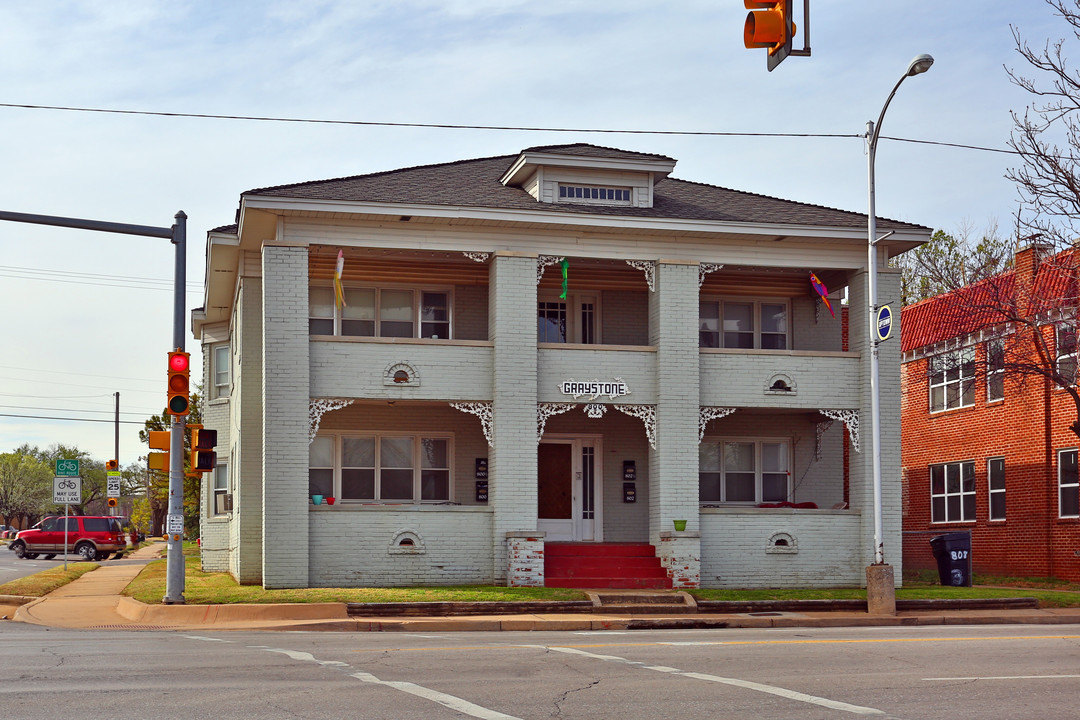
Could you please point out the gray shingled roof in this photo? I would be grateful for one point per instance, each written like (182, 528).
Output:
(475, 183)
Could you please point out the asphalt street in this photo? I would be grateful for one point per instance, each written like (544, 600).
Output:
(1016, 671)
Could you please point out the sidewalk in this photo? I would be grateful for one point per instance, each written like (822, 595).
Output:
(94, 602)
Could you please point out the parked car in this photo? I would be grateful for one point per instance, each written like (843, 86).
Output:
(94, 537)
(6, 531)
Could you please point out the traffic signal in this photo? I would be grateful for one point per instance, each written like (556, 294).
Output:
(112, 465)
(159, 440)
(769, 25)
(203, 457)
(111, 502)
(179, 383)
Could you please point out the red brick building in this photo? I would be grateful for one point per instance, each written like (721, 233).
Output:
(987, 448)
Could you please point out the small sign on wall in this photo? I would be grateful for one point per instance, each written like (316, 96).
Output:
(481, 468)
(481, 490)
(629, 470)
(629, 492)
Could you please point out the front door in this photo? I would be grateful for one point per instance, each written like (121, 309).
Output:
(569, 490)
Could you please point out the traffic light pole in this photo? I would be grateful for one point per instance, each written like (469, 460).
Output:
(177, 234)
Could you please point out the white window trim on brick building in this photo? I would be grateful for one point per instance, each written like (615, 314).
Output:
(1068, 484)
(952, 500)
(378, 319)
(952, 380)
(715, 464)
(220, 363)
(1066, 343)
(995, 370)
(336, 444)
(995, 483)
(221, 489)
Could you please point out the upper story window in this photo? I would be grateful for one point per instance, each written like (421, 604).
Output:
(570, 320)
(380, 468)
(744, 471)
(595, 194)
(952, 492)
(995, 476)
(995, 370)
(952, 380)
(380, 312)
(219, 371)
(1066, 351)
(743, 324)
(221, 489)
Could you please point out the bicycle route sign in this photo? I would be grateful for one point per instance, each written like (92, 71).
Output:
(67, 467)
(67, 490)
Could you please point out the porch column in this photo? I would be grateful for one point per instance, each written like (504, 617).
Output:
(861, 463)
(512, 463)
(285, 398)
(673, 463)
(246, 471)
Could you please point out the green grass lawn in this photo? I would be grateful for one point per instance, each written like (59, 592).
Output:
(46, 581)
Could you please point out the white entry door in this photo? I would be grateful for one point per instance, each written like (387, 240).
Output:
(569, 490)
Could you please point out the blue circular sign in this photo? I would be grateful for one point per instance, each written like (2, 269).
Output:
(884, 323)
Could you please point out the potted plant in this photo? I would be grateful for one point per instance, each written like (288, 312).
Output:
(317, 499)
(680, 525)
(330, 500)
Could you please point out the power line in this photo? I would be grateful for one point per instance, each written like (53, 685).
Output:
(72, 419)
(517, 128)
(81, 410)
(80, 374)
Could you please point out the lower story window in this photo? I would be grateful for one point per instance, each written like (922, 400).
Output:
(380, 468)
(1068, 485)
(744, 471)
(952, 492)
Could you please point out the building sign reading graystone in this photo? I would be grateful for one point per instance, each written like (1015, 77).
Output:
(594, 389)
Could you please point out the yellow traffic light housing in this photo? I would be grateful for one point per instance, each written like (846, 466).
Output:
(203, 457)
(111, 502)
(770, 24)
(112, 465)
(158, 461)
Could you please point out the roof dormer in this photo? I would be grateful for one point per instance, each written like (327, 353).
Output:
(588, 175)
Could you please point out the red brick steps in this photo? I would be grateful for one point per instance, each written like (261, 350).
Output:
(604, 565)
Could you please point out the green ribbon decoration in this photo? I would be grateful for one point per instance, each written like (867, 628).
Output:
(565, 264)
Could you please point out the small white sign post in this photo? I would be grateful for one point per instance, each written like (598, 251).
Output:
(67, 491)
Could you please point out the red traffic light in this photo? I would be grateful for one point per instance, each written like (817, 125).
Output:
(179, 383)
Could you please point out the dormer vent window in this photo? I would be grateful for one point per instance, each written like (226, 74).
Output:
(590, 194)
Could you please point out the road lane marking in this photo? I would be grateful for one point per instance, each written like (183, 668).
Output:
(746, 684)
(1010, 677)
(450, 701)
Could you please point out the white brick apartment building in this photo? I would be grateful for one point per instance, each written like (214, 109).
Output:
(467, 418)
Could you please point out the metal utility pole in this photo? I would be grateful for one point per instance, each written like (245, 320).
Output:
(177, 234)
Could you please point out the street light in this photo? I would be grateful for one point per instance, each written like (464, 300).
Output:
(920, 64)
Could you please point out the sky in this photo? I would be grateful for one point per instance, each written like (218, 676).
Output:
(89, 314)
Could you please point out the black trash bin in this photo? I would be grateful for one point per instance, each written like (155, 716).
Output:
(953, 554)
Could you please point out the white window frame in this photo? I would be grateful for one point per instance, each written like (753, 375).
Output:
(338, 439)
(585, 194)
(756, 303)
(961, 494)
(577, 304)
(1071, 357)
(220, 371)
(995, 371)
(417, 309)
(954, 384)
(759, 471)
(992, 492)
(220, 489)
(1072, 486)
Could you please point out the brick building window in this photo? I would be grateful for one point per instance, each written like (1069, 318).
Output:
(1068, 485)
(995, 475)
(952, 380)
(744, 471)
(995, 370)
(380, 468)
(1066, 351)
(952, 492)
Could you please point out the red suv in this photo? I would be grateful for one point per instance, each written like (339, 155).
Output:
(93, 537)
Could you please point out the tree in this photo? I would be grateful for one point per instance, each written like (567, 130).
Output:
(25, 487)
(951, 261)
